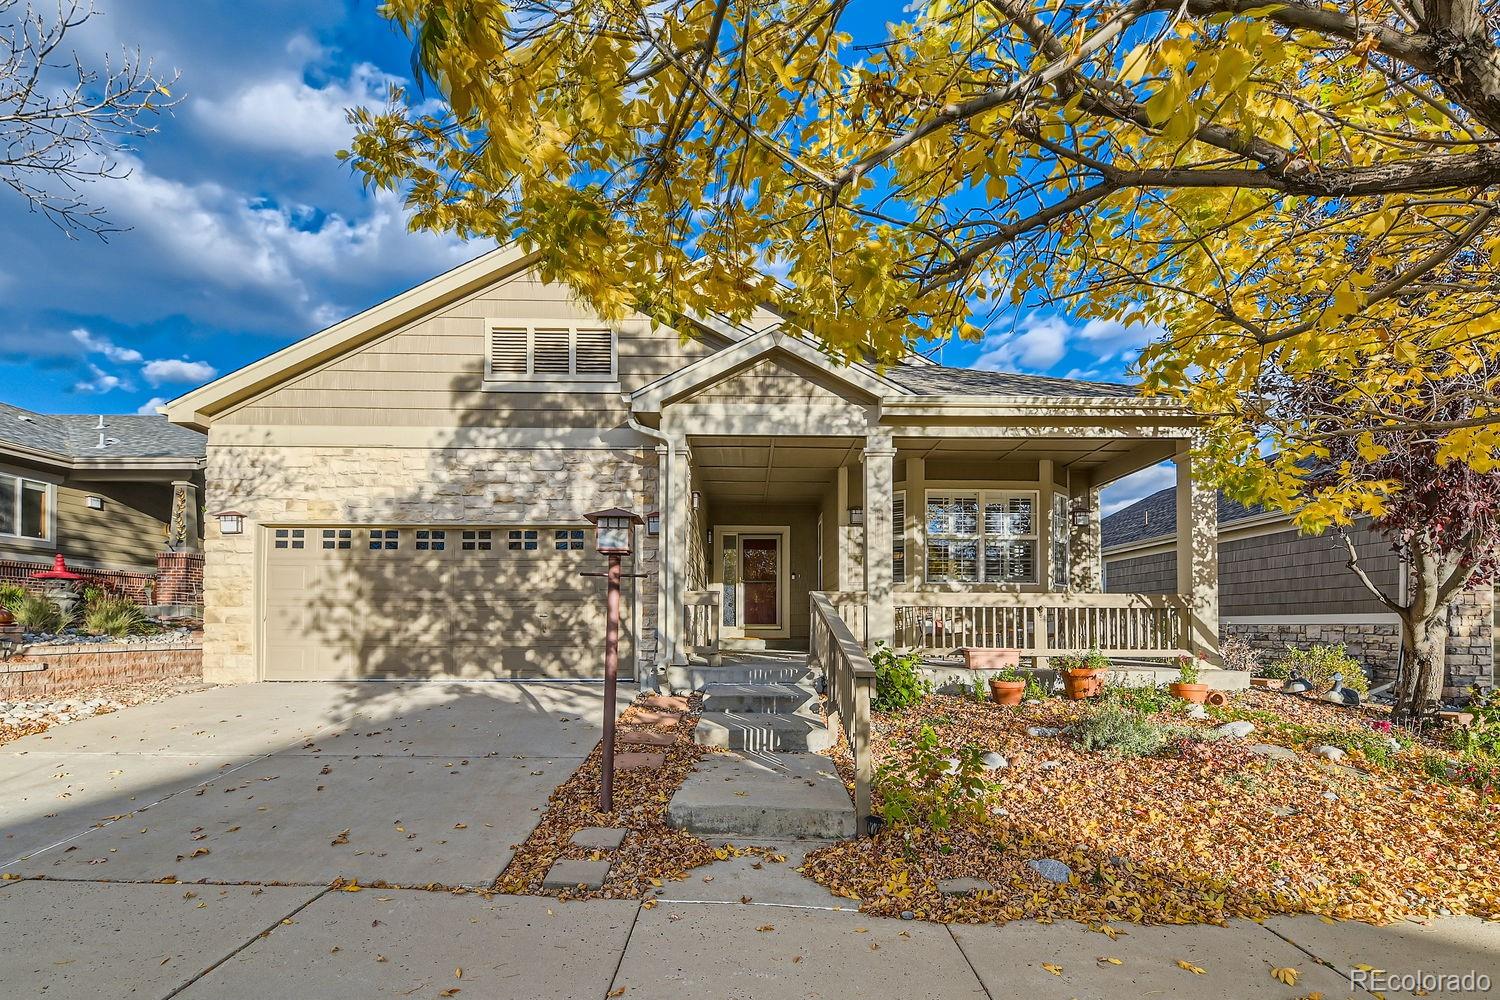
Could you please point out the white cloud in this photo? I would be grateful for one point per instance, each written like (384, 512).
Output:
(100, 381)
(1041, 341)
(1123, 492)
(95, 344)
(284, 114)
(174, 370)
(148, 408)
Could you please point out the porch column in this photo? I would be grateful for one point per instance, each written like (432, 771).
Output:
(1046, 485)
(916, 523)
(1198, 554)
(879, 462)
(660, 654)
(185, 535)
(1085, 542)
(678, 526)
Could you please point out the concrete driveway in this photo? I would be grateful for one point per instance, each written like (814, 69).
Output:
(255, 798)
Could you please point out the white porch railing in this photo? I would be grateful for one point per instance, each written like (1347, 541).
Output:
(700, 624)
(851, 688)
(1143, 626)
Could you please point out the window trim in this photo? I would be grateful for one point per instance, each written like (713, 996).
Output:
(982, 537)
(533, 381)
(898, 538)
(49, 527)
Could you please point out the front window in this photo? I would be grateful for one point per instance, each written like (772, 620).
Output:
(988, 536)
(25, 508)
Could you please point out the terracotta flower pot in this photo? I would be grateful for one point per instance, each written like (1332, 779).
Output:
(991, 658)
(1006, 692)
(1081, 683)
(1217, 699)
(1268, 683)
(1195, 693)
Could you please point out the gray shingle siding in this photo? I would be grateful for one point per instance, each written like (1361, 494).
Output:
(936, 380)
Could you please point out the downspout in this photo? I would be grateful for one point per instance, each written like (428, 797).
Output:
(663, 543)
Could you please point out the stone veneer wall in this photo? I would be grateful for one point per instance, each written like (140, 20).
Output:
(310, 484)
(1377, 645)
(53, 671)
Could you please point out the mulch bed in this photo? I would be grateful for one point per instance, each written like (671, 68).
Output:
(652, 852)
(1219, 833)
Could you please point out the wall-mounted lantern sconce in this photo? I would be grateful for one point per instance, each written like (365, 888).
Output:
(856, 515)
(231, 522)
(653, 523)
(95, 503)
(697, 499)
(1081, 517)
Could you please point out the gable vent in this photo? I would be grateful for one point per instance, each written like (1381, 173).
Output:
(545, 352)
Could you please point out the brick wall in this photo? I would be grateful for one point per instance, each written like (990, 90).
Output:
(179, 578)
(131, 585)
(69, 669)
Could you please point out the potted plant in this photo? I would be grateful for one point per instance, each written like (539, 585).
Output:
(1007, 687)
(1186, 686)
(1081, 674)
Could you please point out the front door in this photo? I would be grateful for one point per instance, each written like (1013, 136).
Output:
(760, 576)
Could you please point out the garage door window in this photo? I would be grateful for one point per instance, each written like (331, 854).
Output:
(563, 540)
(477, 541)
(385, 538)
(337, 538)
(290, 538)
(521, 541)
(432, 540)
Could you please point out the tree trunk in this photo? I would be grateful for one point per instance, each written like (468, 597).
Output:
(1424, 648)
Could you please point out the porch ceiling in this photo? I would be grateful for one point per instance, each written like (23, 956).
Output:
(1121, 455)
(770, 469)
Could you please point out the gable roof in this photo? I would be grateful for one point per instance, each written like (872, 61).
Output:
(940, 380)
(1156, 515)
(78, 437)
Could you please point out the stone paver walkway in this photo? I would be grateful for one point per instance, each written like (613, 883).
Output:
(268, 793)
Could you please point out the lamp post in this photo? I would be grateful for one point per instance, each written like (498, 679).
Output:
(613, 533)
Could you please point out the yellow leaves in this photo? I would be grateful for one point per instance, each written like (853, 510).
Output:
(1190, 967)
(1286, 975)
(1109, 960)
(1056, 970)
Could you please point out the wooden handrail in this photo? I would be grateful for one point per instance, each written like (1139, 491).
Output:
(850, 688)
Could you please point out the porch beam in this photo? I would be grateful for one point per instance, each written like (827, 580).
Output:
(1031, 430)
(1198, 553)
(1147, 454)
(879, 459)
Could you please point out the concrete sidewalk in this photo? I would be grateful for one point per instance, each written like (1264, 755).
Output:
(255, 798)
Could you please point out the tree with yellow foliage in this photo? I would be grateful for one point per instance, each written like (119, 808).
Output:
(1285, 187)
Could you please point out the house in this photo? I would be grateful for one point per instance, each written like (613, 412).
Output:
(118, 496)
(408, 490)
(1279, 588)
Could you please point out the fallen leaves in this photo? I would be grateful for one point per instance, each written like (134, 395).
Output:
(1286, 975)
(342, 837)
(1056, 970)
(1196, 970)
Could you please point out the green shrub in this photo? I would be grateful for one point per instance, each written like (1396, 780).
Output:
(899, 682)
(1187, 670)
(1276, 669)
(1319, 663)
(1116, 730)
(1371, 744)
(36, 613)
(1482, 737)
(11, 594)
(1092, 660)
(925, 784)
(1035, 690)
(1009, 674)
(1147, 699)
(114, 616)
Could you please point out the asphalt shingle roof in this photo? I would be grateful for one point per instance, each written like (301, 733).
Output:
(77, 435)
(1156, 515)
(936, 380)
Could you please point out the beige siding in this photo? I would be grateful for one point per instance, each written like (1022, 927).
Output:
(774, 381)
(430, 373)
(128, 532)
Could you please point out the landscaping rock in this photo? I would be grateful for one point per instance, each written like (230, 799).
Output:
(1197, 713)
(1049, 765)
(1331, 796)
(631, 761)
(995, 761)
(1273, 751)
(963, 886)
(1234, 730)
(1329, 753)
(1040, 731)
(1052, 870)
(998, 811)
(951, 766)
(1392, 744)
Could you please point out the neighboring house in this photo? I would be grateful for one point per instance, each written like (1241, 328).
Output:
(414, 479)
(101, 491)
(1279, 588)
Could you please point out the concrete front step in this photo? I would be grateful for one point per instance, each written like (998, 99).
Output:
(719, 697)
(773, 796)
(763, 731)
(694, 677)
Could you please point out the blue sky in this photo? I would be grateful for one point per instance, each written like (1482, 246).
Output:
(245, 234)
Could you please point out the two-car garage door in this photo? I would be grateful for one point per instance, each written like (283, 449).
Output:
(365, 601)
